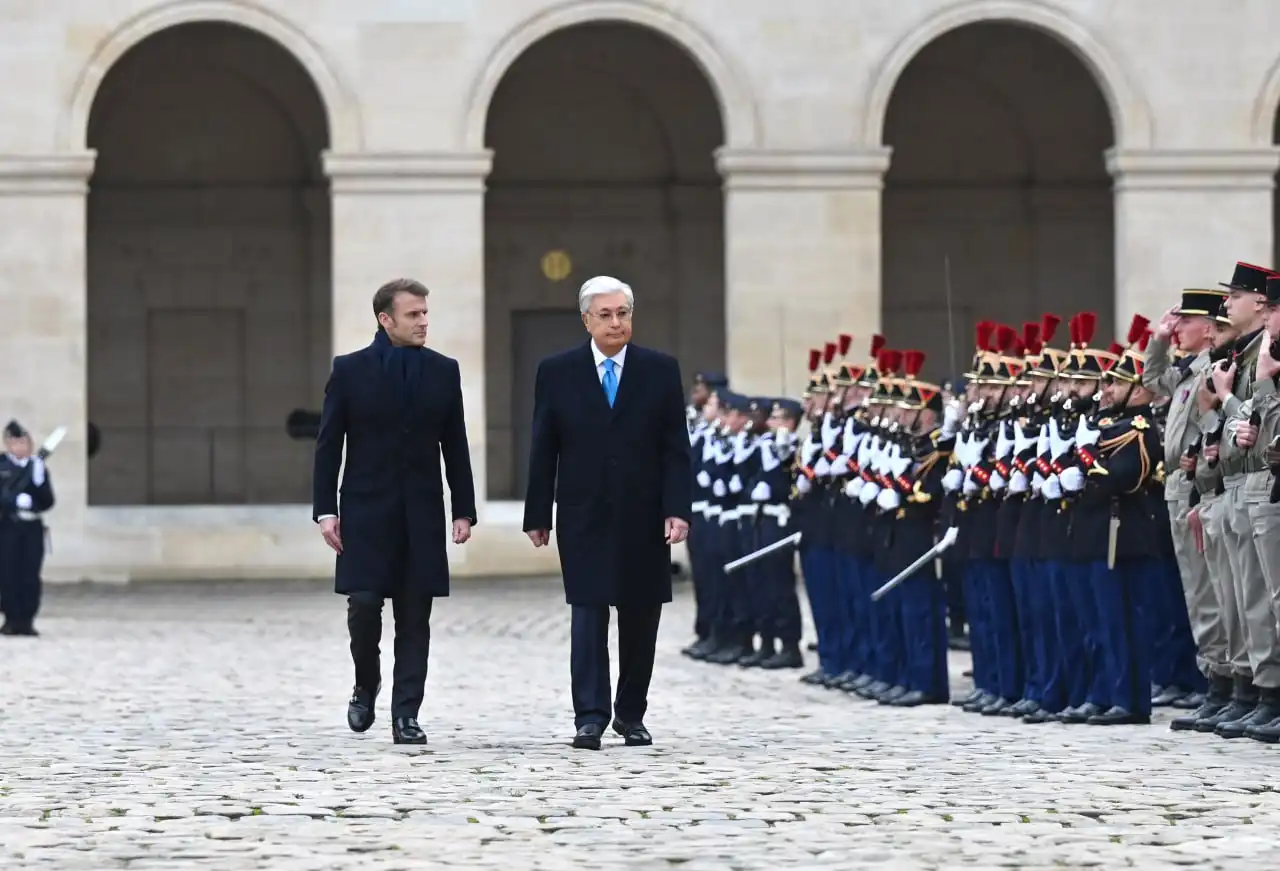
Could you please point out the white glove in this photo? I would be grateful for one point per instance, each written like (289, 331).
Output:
(1057, 444)
(704, 480)
(889, 500)
(898, 467)
(1017, 482)
(961, 450)
(1004, 444)
(1042, 442)
(1086, 435)
(735, 484)
(976, 448)
(1037, 482)
(952, 480)
(803, 485)
(762, 492)
(868, 493)
(996, 482)
(822, 468)
(970, 486)
(1021, 441)
(830, 432)
(839, 467)
(718, 488)
(852, 487)
(950, 418)
(37, 472)
(1072, 480)
(23, 502)
(1051, 489)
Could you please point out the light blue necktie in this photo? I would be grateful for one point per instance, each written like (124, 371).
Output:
(610, 382)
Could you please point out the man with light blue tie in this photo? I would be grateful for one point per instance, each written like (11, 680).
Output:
(610, 450)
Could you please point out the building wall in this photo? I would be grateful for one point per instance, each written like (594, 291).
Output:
(815, 100)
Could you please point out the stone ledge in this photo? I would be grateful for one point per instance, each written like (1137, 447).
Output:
(1194, 169)
(459, 172)
(764, 170)
(46, 174)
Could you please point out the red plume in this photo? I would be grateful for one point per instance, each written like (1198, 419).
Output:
(1116, 348)
(1075, 329)
(912, 362)
(985, 330)
(1088, 323)
(1137, 328)
(829, 353)
(877, 345)
(1144, 340)
(1030, 335)
(815, 358)
(845, 341)
(1006, 338)
(894, 360)
(1049, 326)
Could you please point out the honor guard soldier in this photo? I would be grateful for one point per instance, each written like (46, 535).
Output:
(1111, 528)
(1246, 480)
(704, 415)
(26, 492)
(912, 499)
(747, 466)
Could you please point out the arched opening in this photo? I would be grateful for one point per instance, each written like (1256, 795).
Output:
(998, 133)
(603, 137)
(209, 290)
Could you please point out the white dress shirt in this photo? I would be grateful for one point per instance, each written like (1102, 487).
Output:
(618, 361)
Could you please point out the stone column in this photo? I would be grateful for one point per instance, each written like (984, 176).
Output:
(42, 325)
(419, 215)
(1183, 218)
(802, 247)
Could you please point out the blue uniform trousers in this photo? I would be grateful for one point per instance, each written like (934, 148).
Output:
(1084, 651)
(21, 559)
(1173, 648)
(982, 647)
(1045, 599)
(1026, 587)
(1123, 645)
(849, 605)
(922, 610)
(818, 565)
(751, 578)
(890, 653)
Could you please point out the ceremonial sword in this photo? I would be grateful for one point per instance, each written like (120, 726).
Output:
(948, 539)
(764, 551)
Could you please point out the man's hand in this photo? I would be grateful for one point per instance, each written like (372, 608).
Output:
(1268, 366)
(330, 528)
(677, 530)
(1210, 453)
(1168, 323)
(539, 537)
(1224, 379)
(461, 530)
(1187, 463)
(1246, 435)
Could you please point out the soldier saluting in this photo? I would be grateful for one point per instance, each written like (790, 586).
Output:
(26, 492)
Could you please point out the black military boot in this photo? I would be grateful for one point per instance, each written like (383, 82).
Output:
(1218, 697)
(699, 648)
(1268, 734)
(1244, 698)
(788, 657)
(1189, 702)
(1267, 709)
(756, 655)
(730, 653)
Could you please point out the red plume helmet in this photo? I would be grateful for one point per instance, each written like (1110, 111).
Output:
(912, 362)
(877, 345)
(1144, 340)
(1088, 323)
(985, 330)
(1136, 329)
(845, 341)
(1074, 326)
(829, 353)
(895, 360)
(815, 359)
(1031, 337)
(1006, 339)
(1049, 326)
(1116, 348)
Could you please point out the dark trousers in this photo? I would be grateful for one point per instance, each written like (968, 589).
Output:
(589, 662)
(1003, 614)
(732, 623)
(412, 611)
(701, 552)
(1173, 648)
(1123, 645)
(819, 567)
(953, 579)
(21, 558)
(777, 573)
(921, 604)
(1026, 588)
(754, 581)
(1084, 611)
(986, 673)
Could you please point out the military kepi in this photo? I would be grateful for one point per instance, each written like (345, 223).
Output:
(1273, 289)
(14, 430)
(1200, 302)
(1249, 277)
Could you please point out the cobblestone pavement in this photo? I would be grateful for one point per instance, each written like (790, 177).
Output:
(203, 727)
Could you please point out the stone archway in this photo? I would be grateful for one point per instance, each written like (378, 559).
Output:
(998, 133)
(603, 137)
(209, 291)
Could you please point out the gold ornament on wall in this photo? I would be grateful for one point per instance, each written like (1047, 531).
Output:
(556, 265)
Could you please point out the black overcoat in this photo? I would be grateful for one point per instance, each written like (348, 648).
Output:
(614, 474)
(392, 512)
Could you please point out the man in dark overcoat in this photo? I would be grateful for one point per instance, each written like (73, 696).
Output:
(397, 406)
(610, 449)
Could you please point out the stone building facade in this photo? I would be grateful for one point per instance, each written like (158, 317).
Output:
(198, 198)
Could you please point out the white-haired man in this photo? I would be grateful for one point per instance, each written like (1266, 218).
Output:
(611, 450)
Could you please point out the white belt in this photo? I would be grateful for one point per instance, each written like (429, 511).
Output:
(701, 506)
(748, 510)
(782, 512)
(27, 515)
(728, 515)
(711, 510)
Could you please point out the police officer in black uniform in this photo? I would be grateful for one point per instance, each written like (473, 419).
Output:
(26, 492)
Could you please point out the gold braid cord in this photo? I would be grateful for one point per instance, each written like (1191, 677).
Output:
(918, 495)
(1111, 447)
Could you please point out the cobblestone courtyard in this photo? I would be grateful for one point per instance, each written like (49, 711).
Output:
(203, 726)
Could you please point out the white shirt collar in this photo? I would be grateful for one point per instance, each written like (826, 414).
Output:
(20, 463)
(619, 359)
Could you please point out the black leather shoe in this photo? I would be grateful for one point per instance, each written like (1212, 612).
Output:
(1082, 713)
(633, 734)
(1118, 716)
(405, 730)
(698, 649)
(729, 654)
(7, 629)
(814, 678)
(915, 698)
(1167, 696)
(1041, 716)
(1268, 734)
(964, 700)
(1218, 697)
(588, 737)
(1268, 709)
(982, 701)
(1244, 698)
(360, 709)
(788, 657)
(996, 708)
(1189, 702)
(893, 693)
(753, 658)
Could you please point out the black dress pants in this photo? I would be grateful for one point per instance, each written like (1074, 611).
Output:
(589, 661)
(412, 612)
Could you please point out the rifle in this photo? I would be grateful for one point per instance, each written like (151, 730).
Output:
(1193, 451)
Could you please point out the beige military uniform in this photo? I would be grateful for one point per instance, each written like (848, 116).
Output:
(1204, 611)
(1248, 484)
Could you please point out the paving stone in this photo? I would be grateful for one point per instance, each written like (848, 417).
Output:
(215, 739)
